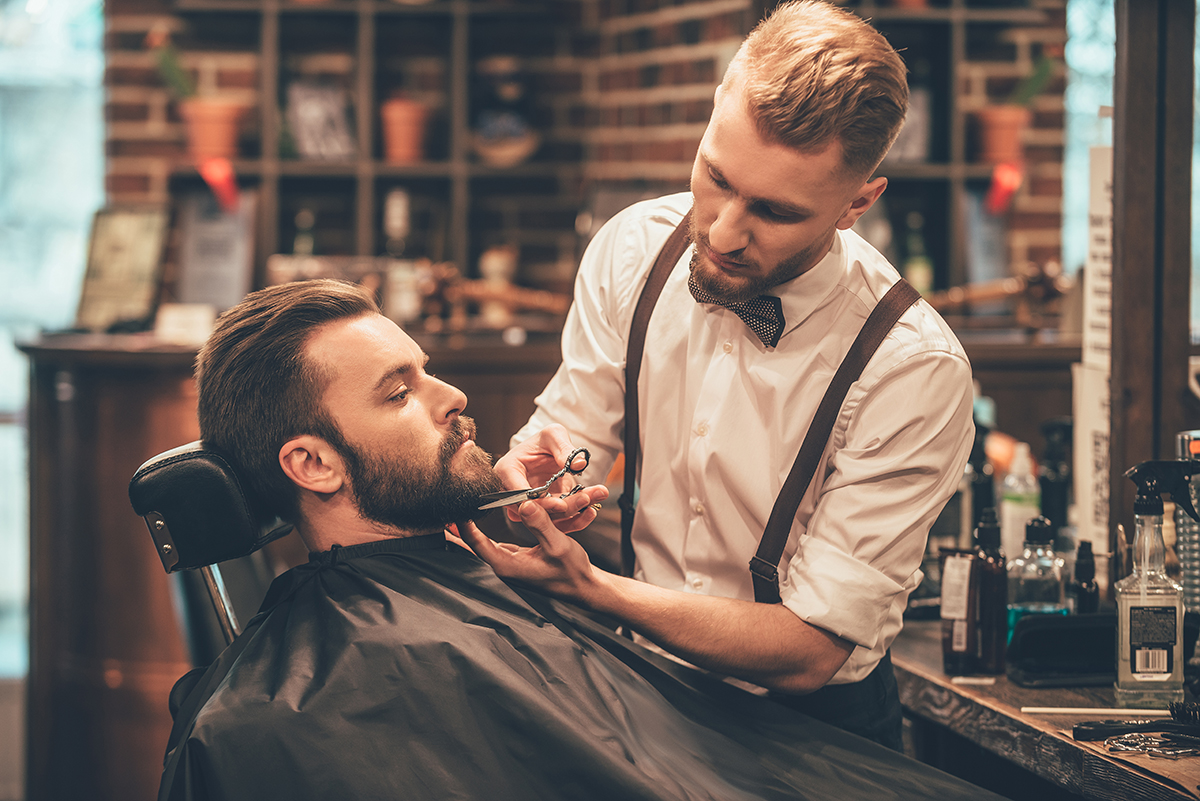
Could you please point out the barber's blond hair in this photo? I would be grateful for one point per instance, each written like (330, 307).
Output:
(815, 74)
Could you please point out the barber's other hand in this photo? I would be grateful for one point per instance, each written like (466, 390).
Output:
(557, 565)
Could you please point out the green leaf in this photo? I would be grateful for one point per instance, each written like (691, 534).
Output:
(173, 74)
(1033, 85)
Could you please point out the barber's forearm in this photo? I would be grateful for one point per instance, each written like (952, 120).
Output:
(762, 643)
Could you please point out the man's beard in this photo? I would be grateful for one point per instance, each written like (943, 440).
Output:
(754, 281)
(422, 497)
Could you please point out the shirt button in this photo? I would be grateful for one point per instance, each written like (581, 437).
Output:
(697, 583)
(698, 508)
(702, 429)
(727, 347)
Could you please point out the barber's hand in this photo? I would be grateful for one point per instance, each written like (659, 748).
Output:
(557, 565)
(533, 462)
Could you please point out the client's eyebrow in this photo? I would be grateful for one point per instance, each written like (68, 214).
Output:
(401, 371)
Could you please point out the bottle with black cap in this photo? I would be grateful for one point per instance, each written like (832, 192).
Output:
(992, 587)
(1036, 581)
(1085, 593)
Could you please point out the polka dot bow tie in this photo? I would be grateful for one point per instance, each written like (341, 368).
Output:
(763, 315)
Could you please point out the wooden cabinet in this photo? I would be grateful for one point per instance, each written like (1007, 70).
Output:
(105, 640)
(105, 647)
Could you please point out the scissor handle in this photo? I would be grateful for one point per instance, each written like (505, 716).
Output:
(587, 459)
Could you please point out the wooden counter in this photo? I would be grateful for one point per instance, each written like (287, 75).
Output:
(989, 717)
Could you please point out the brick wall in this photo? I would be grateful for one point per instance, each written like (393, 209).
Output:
(649, 92)
(145, 135)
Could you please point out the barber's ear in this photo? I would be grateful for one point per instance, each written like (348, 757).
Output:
(313, 464)
(866, 198)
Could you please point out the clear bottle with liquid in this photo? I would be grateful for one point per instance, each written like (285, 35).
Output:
(1020, 499)
(1149, 603)
(1036, 583)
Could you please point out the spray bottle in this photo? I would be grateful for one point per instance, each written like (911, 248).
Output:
(1149, 604)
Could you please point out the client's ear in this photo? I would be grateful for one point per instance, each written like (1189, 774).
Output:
(312, 463)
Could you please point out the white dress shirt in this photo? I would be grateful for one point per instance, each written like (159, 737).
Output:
(722, 419)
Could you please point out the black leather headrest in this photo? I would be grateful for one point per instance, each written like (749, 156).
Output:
(196, 509)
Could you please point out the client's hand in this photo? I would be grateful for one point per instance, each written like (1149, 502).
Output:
(557, 565)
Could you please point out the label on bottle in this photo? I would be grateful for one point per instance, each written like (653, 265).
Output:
(958, 636)
(956, 588)
(1152, 636)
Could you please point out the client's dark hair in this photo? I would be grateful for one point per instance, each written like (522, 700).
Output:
(256, 389)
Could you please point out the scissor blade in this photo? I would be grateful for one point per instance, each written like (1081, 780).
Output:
(495, 500)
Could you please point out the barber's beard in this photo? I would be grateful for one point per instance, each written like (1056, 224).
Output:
(752, 279)
(418, 497)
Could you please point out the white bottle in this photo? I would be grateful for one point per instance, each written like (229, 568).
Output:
(1020, 500)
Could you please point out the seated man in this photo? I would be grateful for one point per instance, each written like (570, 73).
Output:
(395, 664)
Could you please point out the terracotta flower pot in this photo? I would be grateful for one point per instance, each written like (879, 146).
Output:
(403, 130)
(212, 126)
(1001, 133)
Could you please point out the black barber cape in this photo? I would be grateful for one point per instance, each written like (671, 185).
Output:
(405, 669)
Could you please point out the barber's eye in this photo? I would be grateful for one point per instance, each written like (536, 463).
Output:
(400, 396)
(768, 213)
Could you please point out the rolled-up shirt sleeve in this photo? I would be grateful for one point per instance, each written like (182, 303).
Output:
(907, 436)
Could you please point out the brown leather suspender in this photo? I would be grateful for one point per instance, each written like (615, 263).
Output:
(671, 250)
(764, 566)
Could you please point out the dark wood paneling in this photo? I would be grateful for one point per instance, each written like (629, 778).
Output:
(1152, 165)
(1030, 383)
(105, 647)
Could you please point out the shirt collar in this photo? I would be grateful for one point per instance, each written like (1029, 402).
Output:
(805, 293)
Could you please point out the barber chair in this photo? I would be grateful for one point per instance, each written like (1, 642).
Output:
(208, 536)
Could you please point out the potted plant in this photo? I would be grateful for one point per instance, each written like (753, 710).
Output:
(211, 122)
(1002, 126)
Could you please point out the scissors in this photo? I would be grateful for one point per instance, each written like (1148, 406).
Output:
(495, 500)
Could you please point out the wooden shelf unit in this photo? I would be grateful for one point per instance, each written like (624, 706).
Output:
(372, 35)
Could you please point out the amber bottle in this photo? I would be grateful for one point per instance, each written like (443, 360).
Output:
(991, 605)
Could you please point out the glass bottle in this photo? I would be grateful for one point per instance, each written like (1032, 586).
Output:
(918, 269)
(1085, 593)
(1036, 584)
(1149, 624)
(1020, 499)
(992, 602)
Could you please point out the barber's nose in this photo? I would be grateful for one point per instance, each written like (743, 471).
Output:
(728, 232)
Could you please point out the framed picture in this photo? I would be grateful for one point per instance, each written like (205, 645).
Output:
(124, 268)
(319, 118)
(216, 249)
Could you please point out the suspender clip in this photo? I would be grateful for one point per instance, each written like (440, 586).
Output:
(764, 569)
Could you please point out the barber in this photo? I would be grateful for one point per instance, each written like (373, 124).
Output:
(753, 320)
